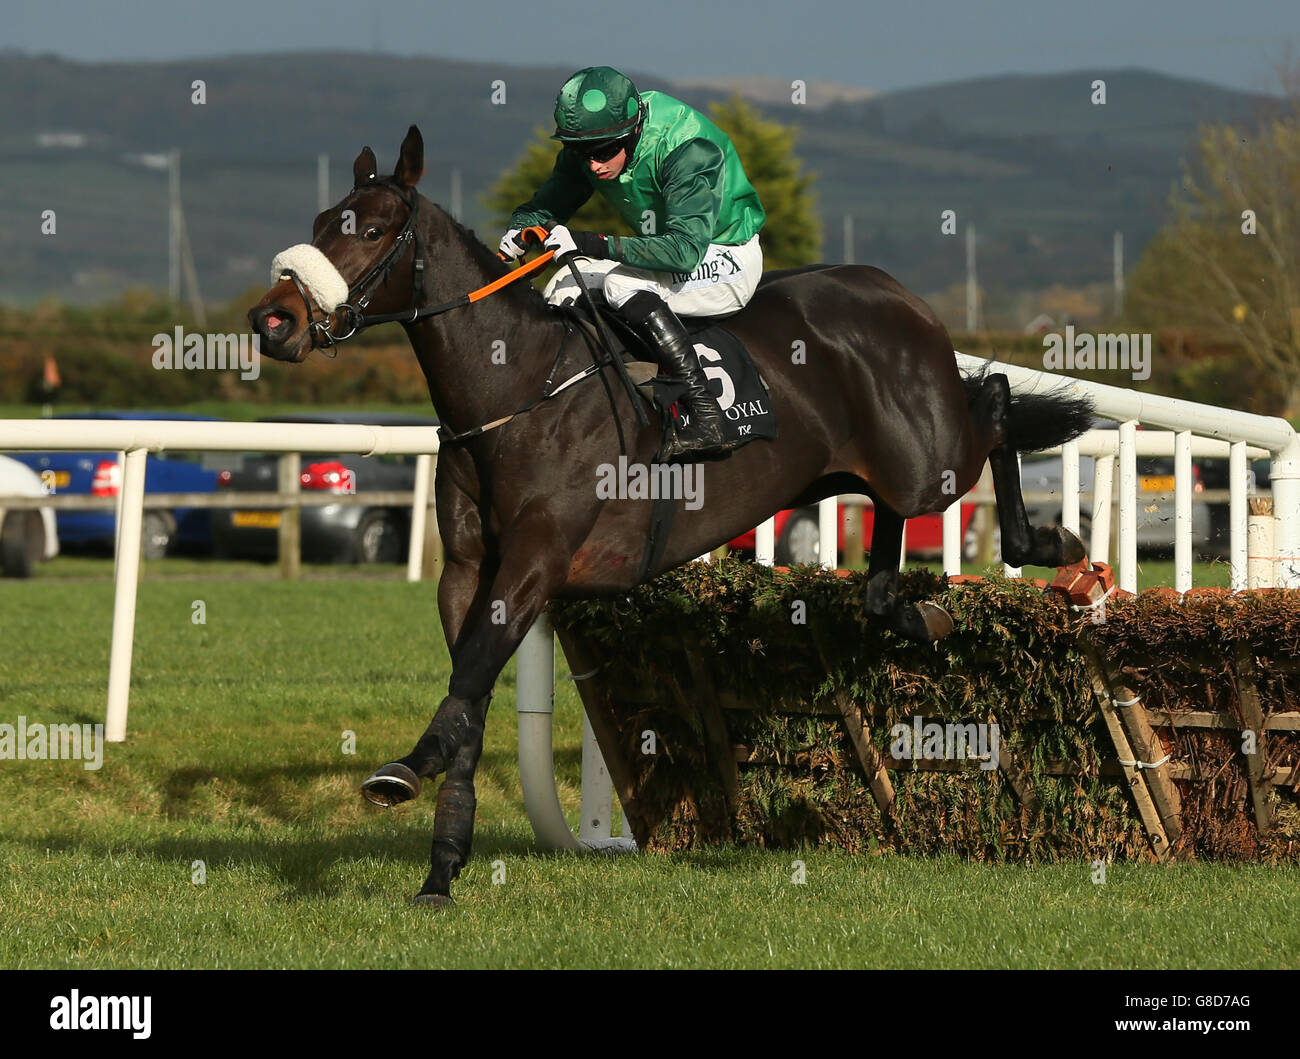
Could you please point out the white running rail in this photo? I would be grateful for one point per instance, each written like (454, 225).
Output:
(1197, 430)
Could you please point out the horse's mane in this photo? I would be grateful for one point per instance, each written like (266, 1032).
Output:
(523, 291)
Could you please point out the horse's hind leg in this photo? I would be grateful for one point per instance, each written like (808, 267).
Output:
(915, 621)
(1021, 544)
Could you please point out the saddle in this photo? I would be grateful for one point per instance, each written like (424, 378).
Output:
(733, 376)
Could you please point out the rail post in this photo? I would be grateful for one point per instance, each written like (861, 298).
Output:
(126, 575)
(290, 470)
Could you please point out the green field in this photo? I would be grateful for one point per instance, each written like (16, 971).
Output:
(1152, 571)
(235, 758)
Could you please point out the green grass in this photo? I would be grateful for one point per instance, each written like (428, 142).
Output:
(1152, 572)
(234, 758)
(97, 567)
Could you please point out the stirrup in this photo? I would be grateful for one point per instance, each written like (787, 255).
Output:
(692, 446)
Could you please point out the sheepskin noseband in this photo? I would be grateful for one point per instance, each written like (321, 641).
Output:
(317, 273)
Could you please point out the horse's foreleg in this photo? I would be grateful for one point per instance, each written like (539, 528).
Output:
(528, 575)
(463, 589)
(1022, 544)
(453, 820)
(916, 621)
(462, 593)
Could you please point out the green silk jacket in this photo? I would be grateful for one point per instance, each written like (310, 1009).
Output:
(684, 187)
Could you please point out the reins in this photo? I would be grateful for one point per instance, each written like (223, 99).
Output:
(410, 316)
(360, 293)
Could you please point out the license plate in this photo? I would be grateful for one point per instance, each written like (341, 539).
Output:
(1157, 483)
(256, 519)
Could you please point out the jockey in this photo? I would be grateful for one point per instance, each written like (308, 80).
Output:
(674, 176)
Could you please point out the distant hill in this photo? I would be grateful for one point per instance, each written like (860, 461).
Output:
(1045, 175)
(778, 90)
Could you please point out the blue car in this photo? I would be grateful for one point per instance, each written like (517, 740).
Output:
(98, 473)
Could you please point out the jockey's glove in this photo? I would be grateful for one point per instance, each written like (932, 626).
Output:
(584, 244)
(512, 244)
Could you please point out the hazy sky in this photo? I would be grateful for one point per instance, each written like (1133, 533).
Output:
(896, 45)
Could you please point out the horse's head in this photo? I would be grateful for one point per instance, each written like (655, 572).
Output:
(360, 256)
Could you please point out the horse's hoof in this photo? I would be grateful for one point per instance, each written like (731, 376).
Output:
(433, 900)
(1073, 550)
(391, 785)
(1055, 546)
(938, 622)
(923, 622)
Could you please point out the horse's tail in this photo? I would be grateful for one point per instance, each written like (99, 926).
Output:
(1039, 420)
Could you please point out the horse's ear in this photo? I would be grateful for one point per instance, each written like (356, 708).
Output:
(410, 164)
(364, 168)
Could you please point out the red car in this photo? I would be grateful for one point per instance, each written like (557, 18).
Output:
(798, 534)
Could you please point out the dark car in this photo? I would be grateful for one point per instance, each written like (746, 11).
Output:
(350, 533)
(98, 474)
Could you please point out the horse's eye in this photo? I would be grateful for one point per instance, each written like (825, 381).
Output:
(372, 233)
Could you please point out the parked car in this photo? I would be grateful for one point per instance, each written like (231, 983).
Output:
(798, 534)
(98, 474)
(354, 533)
(27, 536)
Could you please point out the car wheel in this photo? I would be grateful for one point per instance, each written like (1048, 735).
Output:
(157, 531)
(22, 543)
(800, 540)
(377, 539)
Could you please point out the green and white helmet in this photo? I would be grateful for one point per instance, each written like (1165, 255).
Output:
(597, 103)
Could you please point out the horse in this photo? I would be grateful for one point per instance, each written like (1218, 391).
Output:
(860, 373)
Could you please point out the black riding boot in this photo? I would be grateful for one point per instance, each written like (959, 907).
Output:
(701, 436)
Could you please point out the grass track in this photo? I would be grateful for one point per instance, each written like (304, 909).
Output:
(234, 758)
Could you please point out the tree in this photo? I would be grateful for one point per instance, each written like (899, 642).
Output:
(1228, 264)
(792, 234)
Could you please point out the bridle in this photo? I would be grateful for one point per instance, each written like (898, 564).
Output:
(352, 309)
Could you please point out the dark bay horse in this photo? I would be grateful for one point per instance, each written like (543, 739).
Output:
(861, 376)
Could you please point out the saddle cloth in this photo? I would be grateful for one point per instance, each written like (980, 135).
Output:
(733, 379)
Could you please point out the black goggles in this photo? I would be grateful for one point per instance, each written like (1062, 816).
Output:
(601, 152)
